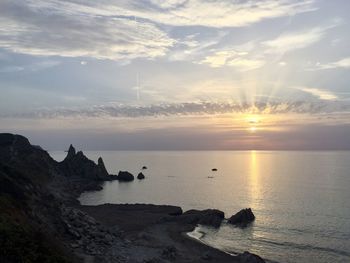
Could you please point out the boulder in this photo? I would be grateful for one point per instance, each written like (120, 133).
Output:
(242, 218)
(144, 167)
(140, 176)
(125, 176)
(209, 217)
(214, 169)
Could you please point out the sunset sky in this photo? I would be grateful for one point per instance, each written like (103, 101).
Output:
(176, 74)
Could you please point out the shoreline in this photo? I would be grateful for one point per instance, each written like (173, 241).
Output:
(40, 196)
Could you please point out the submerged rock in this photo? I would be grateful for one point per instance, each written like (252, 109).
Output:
(125, 176)
(140, 176)
(242, 218)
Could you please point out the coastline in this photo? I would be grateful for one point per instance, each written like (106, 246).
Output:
(48, 192)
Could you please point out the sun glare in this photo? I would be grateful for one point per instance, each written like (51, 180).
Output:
(253, 122)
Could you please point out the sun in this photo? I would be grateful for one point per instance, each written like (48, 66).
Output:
(253, 122)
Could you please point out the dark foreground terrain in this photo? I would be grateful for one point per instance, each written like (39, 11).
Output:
(42, 221)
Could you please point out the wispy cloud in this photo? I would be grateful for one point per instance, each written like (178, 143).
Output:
(296, 40)
(299, 39)
(319, 93)
(233, 58)
(122, 30)
(55, 28)
(221, 13)
(38, 66)
(342, 63)
(193, 108)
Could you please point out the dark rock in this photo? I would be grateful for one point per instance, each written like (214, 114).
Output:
(169, 253)
(214, 169)
(144, 167)
(247, 257)
(242, 218)
(209, 217)
(125, 176)
(140, 176)
(77, 165)
(71, 152)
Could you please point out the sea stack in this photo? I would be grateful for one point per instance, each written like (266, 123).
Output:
(140, 176)
(242, 218)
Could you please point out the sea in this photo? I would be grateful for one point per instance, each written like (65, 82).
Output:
(301, 199)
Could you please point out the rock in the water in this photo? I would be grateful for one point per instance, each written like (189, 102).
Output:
(247, 257)
(144, 167)
(125, 176)
(242, 218)
(209, 217)
(140, 176)
(214, 169)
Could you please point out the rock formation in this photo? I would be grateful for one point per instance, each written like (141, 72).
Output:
(242, 218)
(125, 176)
(209, 217)
(140, 176)
(77, 165)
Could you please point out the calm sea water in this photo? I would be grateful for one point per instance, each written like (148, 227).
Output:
(301, 199)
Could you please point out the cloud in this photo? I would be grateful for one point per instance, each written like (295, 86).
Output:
(218, 13)
(296, 40)
(327, 106)
(237, 59)
(61, 28)
(38, 66)
(342, 63)
(319, 93)
(123, 30)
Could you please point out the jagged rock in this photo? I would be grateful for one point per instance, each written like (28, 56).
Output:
(77, 165)
(209, 217)
(71, 152)
(125, 176)
(242, 218)
(140, 176)
(247, 257)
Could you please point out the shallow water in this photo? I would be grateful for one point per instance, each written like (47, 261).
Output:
(300, 199)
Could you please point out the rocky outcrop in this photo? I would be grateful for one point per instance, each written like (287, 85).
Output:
(77, 165)
(242, 218)
(86, 233)
(125, 176)
(140, 176)
(16, 151)
(209, 217)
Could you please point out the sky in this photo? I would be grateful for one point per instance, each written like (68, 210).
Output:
(176, 74)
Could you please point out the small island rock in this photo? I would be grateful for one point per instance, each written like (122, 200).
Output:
(140, 176)
(144, 167)
(125, 176)
(242, 218)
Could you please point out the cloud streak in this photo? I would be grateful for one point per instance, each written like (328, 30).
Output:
(195, 108)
